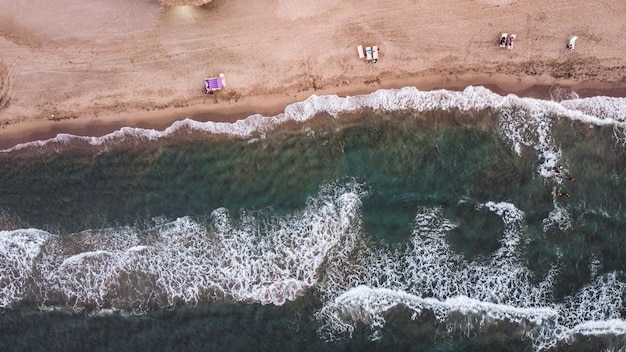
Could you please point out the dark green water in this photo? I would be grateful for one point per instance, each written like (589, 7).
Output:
(242, 327)
(403, 161)
(232, 327)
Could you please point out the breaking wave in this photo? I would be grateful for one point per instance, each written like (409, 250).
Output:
(180, 262)
(428, 275)
(322, 248)
(596, 110)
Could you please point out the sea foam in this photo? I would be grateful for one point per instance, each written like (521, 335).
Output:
(320, 247)
(597, 110)
(183, 261)
(428, 275)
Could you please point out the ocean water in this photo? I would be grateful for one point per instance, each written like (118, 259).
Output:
(398, 220)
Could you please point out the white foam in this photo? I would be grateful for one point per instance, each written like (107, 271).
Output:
(275, 260)
(512, 218)
(526, 123)
(603, 327)
(19, 250)
(597, 110)
(429, 275)
(137, 248)
(601, 299)
(559, 217)
(367, 305)
(507, 211)
(605, 108)
(429, 267)
(184, 261)
(76, 259)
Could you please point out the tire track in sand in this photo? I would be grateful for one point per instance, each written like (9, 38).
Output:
(4, 85)
(8, 77)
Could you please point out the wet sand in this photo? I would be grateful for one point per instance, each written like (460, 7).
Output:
(92, 67)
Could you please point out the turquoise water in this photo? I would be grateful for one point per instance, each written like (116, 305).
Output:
(403, 162)
(293, 241)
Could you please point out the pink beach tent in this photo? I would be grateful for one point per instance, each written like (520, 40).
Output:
(213, 84)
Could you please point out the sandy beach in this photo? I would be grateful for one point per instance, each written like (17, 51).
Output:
(89, 67)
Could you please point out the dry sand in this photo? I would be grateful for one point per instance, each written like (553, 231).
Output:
(96, 65)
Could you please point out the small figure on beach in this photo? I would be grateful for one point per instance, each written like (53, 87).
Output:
(557, 169)
(572, 42)
(511, 41)
(503, 37)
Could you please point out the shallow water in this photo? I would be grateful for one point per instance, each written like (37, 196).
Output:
(397, 220)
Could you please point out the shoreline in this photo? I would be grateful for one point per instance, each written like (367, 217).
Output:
(272, 105)
(91, 67)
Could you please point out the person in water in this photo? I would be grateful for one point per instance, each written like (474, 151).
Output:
(557, 170)
(562, 194)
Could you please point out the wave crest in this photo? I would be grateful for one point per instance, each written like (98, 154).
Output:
(597, 110)
(184, 261)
